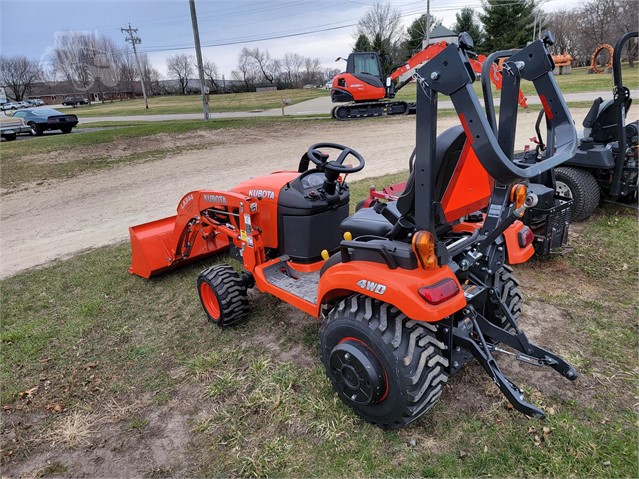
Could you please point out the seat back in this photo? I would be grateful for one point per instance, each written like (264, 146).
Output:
(462, 185)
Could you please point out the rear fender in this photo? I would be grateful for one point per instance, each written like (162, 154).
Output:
(398, 287)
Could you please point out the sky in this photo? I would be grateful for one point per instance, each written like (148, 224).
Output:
(323, 29)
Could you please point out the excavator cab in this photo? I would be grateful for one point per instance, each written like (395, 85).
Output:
(362, 80)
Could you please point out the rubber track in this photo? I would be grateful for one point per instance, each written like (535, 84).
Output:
(417, 351)
(231, 293)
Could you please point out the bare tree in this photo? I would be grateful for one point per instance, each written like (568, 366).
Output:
(292, 65)
(18, 74)
(579, 30)
(87, 60)
(180, 67)
(261, 60)
(150, 75)
(312, 71)
(383, 20)
(245, 69)
(211, 74)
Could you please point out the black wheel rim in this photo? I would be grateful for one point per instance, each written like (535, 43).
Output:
(358, 374)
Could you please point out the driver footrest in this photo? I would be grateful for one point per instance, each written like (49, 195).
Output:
(301, 284)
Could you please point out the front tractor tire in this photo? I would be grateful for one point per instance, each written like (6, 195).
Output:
(388, 368)
(223, 295)
(580, 186)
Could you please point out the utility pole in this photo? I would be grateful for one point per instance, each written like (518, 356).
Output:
(134, 41)
(427, 22)
(198, 54)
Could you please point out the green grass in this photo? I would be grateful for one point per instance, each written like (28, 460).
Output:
(161, 105)
(46, 157)
(84, 332)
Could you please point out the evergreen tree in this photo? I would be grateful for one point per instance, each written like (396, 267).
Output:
(382, 47)
(466, 21)
(362, 44)
(507, 24)
(417, 34)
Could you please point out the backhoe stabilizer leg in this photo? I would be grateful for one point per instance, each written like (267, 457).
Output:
(529, 352)
(471, 334)
(512, 392)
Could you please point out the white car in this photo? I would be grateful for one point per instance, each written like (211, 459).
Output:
(10, 106)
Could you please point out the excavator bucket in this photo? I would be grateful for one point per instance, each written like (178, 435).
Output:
(157, 246)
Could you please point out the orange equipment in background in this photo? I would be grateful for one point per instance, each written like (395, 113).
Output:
(593, 60)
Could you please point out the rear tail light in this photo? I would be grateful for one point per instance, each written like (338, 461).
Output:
(439, 292)
(424, 248)
(525, 237)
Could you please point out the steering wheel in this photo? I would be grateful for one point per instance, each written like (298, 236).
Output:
(336, 166)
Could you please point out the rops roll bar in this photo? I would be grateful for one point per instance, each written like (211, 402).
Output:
(450, 73)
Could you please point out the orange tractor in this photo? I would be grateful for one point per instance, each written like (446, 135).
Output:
(366, 93)
(406, 299)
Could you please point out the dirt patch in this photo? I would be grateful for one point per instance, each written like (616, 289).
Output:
(140, 439)
(57, 219)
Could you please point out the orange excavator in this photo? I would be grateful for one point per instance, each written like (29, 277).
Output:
(365, 93)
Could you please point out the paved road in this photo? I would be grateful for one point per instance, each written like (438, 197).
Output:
(317, 106)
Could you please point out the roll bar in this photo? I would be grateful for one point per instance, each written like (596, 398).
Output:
(450, 73)
(486, 71)
(616, 57)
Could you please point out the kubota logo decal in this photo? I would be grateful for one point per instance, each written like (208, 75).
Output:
(215, 199)
(371, 286)
(268, 194)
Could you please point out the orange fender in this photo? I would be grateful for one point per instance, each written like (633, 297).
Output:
(398, 287)
(517, 254)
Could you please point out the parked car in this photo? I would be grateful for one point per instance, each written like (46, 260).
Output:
(42, 119)
(24, 104)
(71, 101)
(34, 102)
(10, 127)
(10, 106)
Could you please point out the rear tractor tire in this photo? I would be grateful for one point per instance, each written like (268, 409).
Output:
(223, 295)
(505, 283)
(581, 187)
(388, 368)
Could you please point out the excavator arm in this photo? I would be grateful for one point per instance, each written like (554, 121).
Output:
(434, 49)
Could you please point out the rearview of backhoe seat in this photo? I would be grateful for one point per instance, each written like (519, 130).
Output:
(366, 222)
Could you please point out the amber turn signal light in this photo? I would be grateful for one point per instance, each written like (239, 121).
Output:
(424, 248)
(518, 195)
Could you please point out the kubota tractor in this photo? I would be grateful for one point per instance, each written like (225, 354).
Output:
(402, 310)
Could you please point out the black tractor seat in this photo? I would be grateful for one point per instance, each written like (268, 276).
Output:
(367, 222)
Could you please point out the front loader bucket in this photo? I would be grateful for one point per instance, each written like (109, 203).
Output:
(153, 247)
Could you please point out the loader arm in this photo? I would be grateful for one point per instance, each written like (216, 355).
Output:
(206, 223)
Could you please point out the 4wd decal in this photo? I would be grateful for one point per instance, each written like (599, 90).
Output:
(371, 286)
(268, 194)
